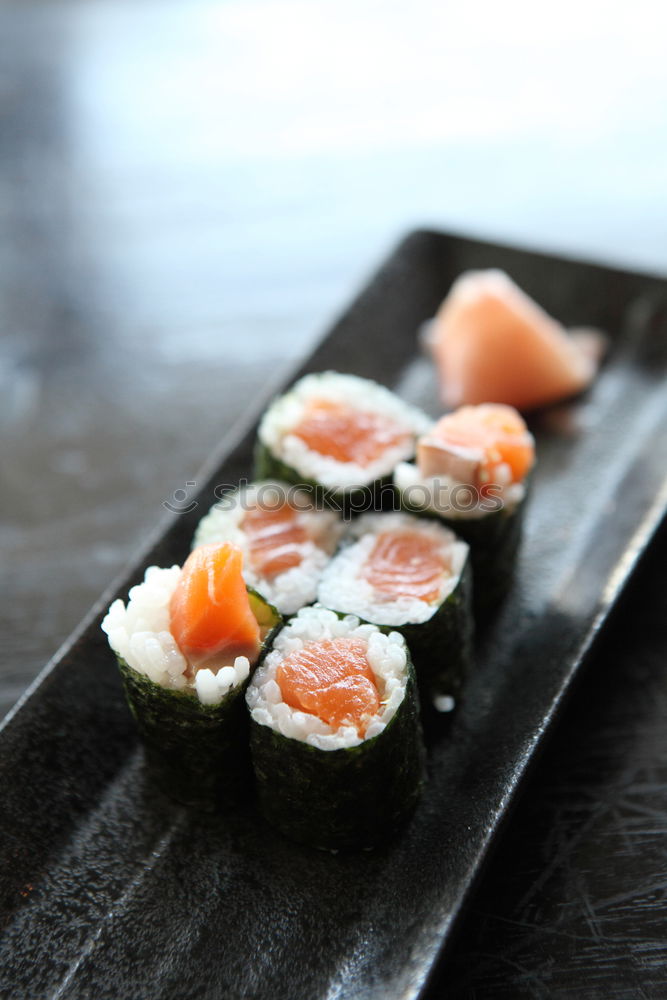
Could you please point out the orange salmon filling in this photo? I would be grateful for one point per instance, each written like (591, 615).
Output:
(346, 434)
(275, 539)
(332, 679)
(496, 430)
(210, 611)
(405, 564)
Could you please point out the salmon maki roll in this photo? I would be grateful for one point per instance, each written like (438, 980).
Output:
(404, 572)
(285, 538)
(335, 734)
(340, 434)
(187, 642)
(472, 471)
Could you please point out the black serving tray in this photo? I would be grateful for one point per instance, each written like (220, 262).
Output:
(109, 890)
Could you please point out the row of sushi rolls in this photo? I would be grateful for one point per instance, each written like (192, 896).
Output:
(331, 602)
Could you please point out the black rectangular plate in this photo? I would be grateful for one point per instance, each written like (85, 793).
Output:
(108, 890)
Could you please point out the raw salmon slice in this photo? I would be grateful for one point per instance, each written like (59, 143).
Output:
(478, 445)
(405, 564)
(210, 611)
(346, 434)
(275, 539)
(492, 342)
(332, 679)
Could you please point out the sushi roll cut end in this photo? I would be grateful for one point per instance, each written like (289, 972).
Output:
(471, 462)
(337, 432)
(477, 445)
(395, 569)
(409, 573)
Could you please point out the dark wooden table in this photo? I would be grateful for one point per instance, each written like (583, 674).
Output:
(188, 192)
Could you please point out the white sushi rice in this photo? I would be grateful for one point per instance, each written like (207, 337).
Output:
(287, 412)
(297, 586)
(387, 656)
(344, 588)
(139, 633)
(453, 499)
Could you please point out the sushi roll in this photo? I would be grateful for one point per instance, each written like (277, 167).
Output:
(335, 735)
(404, 572)
(342, 435)
(186, 644)
(472, 472)
(285, 539)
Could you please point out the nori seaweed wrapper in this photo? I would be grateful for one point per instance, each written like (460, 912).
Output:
(494, 543)
(379, 495)
(442, 647)
(198, 754)
(346, 799)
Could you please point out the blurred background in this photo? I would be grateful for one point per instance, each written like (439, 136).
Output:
(190, 191)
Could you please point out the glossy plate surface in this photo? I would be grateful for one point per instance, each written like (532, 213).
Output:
(109, 890)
